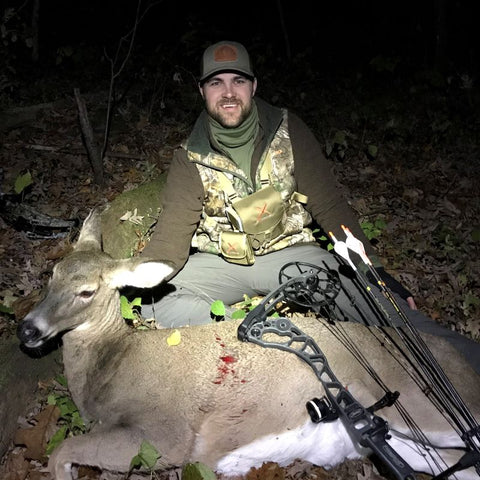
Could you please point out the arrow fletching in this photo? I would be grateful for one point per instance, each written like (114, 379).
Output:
(342, 250)
(354, 244)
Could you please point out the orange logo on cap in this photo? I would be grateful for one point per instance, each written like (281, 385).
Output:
(225, 53)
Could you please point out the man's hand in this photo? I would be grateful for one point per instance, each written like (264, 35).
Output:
(394, 286)
(411, 303)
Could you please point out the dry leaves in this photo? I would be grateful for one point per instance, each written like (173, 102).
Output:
(36, 438)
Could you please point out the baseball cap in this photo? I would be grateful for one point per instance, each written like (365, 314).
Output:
(225, 57)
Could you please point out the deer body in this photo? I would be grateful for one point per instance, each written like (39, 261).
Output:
(211, 398)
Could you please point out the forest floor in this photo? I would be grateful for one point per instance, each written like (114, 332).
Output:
(409, 166)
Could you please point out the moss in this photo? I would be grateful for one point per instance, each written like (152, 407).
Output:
(123, 239)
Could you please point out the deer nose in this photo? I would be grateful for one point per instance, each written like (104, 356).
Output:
(28, 332)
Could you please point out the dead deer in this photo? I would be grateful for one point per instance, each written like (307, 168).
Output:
(232, 405)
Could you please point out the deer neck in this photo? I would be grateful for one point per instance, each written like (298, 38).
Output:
(87, 348)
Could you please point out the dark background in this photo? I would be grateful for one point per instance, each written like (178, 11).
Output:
(310, 40)
(336, 32)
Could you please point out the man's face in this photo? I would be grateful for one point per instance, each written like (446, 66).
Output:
(228, 98)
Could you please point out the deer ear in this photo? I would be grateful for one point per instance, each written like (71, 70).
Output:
(141, 274)
(90, 237)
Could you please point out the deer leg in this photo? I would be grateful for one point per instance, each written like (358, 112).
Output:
(110, 450)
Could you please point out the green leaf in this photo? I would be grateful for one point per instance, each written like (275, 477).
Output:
(373, 230)
(471, 300)
(128, 308)
(340, 138)
(5, 309)
(22, 182)
(239, 315)
(372, 151)
(218, 308)
(66, 406)
(125, 308)
(476, 234)
(368, 229)
(77, 422)
(136, 302)
(147, 457)
(197, 471)
(57, 438)
(61, 380)
(380, 224)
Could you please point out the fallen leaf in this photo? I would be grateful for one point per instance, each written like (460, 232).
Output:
(174, 338)
(16, 467)
(197, 471)
(268, 471)
(132, 217)
(35, 439)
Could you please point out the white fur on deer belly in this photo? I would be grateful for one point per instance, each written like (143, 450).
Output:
(324, 444)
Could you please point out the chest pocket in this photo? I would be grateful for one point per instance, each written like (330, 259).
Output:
(259, 215)
(256, 219)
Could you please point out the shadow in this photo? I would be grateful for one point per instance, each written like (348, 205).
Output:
(148, 295)
(48, 347)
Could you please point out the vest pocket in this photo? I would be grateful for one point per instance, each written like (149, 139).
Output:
(235, 247)
(260, 215)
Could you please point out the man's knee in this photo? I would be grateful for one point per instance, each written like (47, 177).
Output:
(181, 307)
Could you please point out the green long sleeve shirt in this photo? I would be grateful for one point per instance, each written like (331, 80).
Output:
(182, 197)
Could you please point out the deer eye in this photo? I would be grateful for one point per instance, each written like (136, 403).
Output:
(85, 294)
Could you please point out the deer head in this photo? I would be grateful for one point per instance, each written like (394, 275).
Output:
(85, 284)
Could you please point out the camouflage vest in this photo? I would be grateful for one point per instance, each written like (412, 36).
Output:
(226, 186)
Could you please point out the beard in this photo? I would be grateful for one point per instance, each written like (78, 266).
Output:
(229, 119)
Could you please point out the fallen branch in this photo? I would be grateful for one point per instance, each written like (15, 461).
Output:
(73, 151)
(90, 143)
(24, 217)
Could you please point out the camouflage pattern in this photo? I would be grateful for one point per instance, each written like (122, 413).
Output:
(216, 200)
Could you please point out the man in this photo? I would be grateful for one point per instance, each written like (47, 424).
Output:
(243, 190)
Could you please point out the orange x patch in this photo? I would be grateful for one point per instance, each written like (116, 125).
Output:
(231, 248)
(262, 212)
